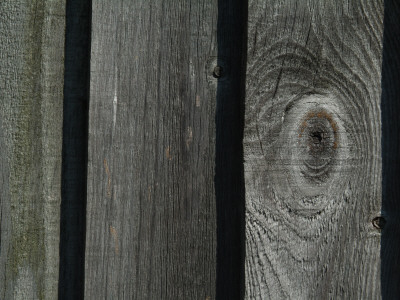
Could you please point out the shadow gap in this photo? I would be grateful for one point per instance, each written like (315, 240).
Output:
(390, 112)
(75, 149)
(229, 178)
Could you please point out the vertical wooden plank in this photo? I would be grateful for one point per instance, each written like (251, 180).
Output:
(312, 149)
(31, 82)
(151, 200)
(390, 251)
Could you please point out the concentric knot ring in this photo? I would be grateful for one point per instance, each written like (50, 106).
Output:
(318, 141)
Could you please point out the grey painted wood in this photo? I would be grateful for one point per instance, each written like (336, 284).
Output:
(312, 149)
(31, 88)
(151, 219)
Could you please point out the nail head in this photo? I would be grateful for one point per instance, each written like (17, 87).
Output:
(379, 222)
(217, 73)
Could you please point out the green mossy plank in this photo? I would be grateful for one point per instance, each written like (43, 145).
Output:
(31, 91)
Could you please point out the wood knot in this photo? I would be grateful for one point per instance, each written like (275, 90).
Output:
(309, 148)
(320, 118)
(318, 140)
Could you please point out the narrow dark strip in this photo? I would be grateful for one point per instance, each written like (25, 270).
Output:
(229, 179)
(390, 243)
(75, 137)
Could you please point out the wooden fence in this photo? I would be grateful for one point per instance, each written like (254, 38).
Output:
(199, 149)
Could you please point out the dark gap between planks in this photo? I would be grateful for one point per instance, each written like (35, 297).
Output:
(75, 149)
(229, 178)
(390, 112)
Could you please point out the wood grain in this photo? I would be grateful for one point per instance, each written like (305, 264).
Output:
(151, 216)
(312, 149)
(31, 89)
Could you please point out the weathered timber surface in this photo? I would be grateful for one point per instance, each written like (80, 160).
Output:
(312, 149)
(31, 88)
(151, 216)
(390, 251)
(74, 161)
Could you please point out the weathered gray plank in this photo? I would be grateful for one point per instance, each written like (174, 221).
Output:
(312, 149)
(31, 82)
(151, 224)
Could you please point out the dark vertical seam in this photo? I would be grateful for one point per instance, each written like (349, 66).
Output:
(75, 149)
(229, 169)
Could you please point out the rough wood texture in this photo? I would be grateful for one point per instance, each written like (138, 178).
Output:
(31, 83)
(151, 220)
(390, 252)
(312, 149)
